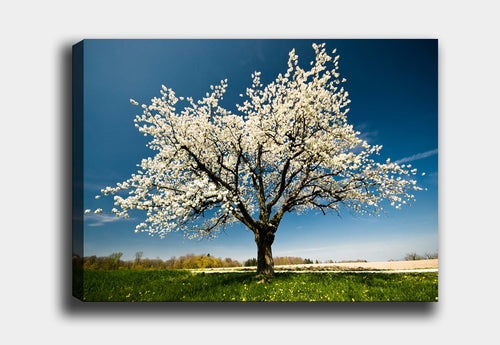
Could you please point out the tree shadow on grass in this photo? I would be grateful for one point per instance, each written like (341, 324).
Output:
(203, 285)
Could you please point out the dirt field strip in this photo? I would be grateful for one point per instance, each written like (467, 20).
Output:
(381, 265)
(341, 271)
(366, 271)
(343, 267)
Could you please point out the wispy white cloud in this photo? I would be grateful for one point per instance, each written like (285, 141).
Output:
(366, 132)
(101, 219)
(417, 156)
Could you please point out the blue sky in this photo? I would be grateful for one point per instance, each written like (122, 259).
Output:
(394, 92)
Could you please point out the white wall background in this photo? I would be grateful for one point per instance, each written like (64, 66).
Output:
(35, 108)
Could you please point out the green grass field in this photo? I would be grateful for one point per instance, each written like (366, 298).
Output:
(173, 285)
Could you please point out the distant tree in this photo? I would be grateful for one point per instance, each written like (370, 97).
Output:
(251, 262)
(431, 255)
(170, 263)
(413, 256)
(113, 261)
(228, 262)
(191, 262)
(290, 149)
(288, 260)
(308, 261)
(90, 263)
(138, 257)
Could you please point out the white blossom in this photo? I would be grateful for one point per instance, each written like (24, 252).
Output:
(289, 148)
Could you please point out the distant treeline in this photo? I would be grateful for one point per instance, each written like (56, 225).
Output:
(114, 262)
(190, 261)
(414, 256)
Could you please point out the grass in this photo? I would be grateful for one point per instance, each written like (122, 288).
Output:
(176, 285)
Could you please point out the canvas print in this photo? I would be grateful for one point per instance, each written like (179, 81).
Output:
(255, 170)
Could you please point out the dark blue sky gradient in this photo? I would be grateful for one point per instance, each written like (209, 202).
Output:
(393, 87)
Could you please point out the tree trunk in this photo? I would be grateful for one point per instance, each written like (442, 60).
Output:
(265, 263)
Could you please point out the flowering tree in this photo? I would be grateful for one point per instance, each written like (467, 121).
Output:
(289, 149)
